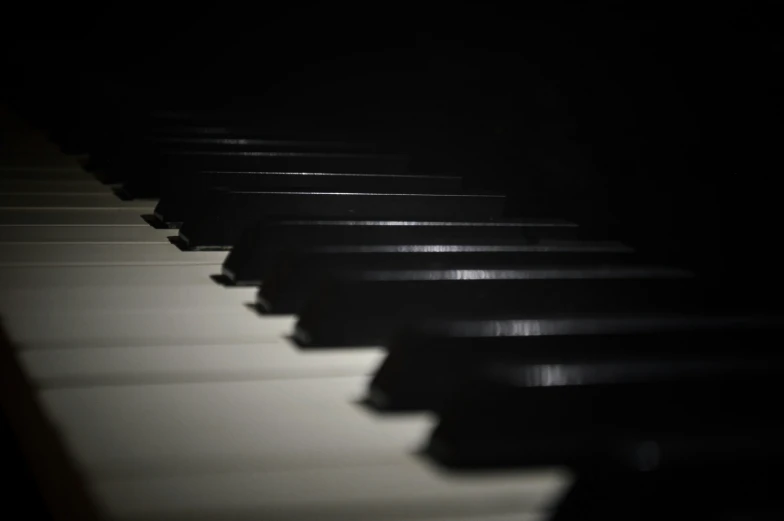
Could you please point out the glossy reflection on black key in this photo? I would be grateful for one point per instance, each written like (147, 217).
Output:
(230, 212)
(187, 195)
(298, 274)
(260, 246)
(671, 412)
(367, 311)
(428, 363)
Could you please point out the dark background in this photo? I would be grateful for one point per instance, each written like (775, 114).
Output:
(656, 123)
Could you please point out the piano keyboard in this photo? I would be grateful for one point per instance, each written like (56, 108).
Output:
(446, 362)
(172, 399)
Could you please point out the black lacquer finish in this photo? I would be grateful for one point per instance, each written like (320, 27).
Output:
(230, 212)
(259, 246)
(367, 312)
(187, 195)
(700, 412)
(427, 364)
(288, 292)
(297, 274)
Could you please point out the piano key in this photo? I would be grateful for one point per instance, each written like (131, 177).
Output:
(270, 161)
(154, 150)
(609, 424)
(72, 201)
(79, 217)
(397, 491)
(259, 246)
(423, 369)
(185, 195)
(143, 297)
(53, 254)
(108, 276)
(346, 312)
(254, 266)
(84, 234)
(288, 286)
(184, 161)
(79, 366)
(104, 329)
(223, 222)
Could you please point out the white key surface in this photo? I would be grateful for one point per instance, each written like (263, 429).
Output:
(404, 489)
(138, 298)
(140, 364)
(79, 217)
(271, 448)
(73, 201)
(107, 276)
(65, 328)
(53, 254)
(85, 234)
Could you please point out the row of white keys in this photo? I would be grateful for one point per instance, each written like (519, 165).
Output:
(177, 401)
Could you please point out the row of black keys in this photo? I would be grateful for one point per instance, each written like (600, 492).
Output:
(533, 347)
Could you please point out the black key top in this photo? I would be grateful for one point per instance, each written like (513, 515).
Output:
(269, 161)
(151, 152)
(426, 364)
(295, 277)
(366, 312)
(182, 196)
(704, 412)
(260, 245)
(224, 221)
(144, 178)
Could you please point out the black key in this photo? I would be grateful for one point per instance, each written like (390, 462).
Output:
(716, 412)
(286, 161)
(260, 245)
(571, 400)
(225, 219)
(295, 278)
(147, 179)
(366, 312)
(182, 196)
(151, 152)
(428, 363)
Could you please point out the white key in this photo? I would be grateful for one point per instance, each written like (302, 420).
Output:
(139, 298)
(107, 276)
(71, 201)
(54, 254)
(111, 217)
(402, 490)
(85, 234)
(64, 329)
(83, 366)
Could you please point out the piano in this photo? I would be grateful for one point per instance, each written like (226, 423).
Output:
(212, 314)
